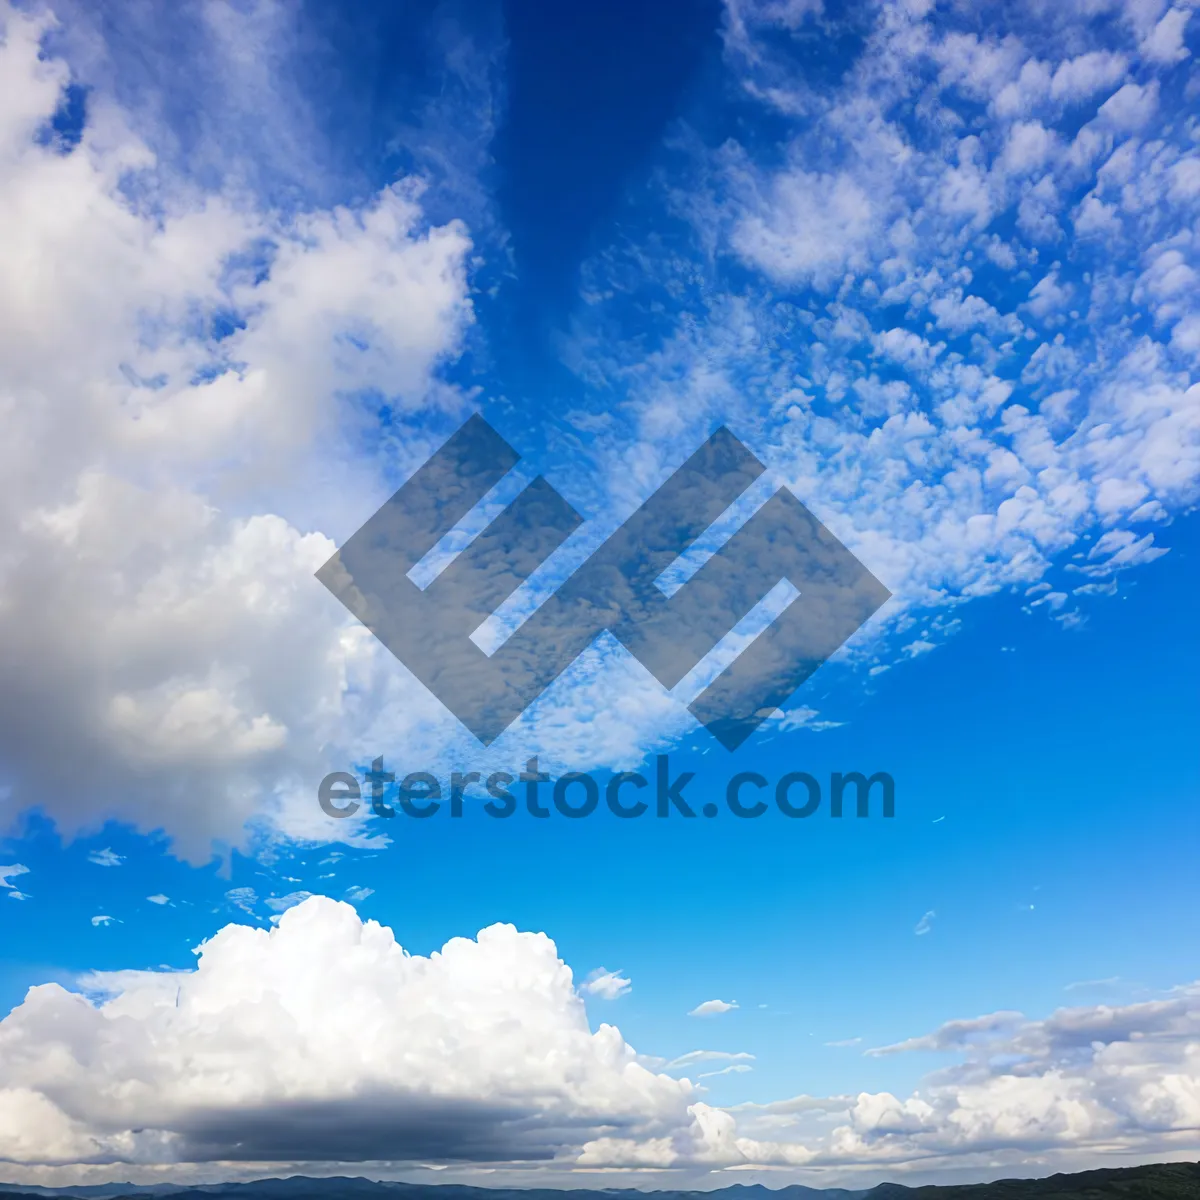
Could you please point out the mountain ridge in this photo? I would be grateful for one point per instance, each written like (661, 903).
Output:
(1158, 1181)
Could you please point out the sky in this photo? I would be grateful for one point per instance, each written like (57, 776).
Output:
(934, 264)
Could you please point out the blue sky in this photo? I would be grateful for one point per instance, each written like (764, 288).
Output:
(935, 265)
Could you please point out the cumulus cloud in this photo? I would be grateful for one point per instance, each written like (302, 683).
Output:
(322, 1040)
(162, 481)
(481, 1051)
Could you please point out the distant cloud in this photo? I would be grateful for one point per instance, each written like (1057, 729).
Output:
(244, 898)
(1093, 985)
(355, 895)
(159, 899)
(711, 1008)
(608, 985)
(106, 858)
(925, 924)
(692, 1057)
(732, 1069)
(953, 1035)
(101, 920)
(845, 1042)
(9, 873)
(281, 904)
(494, 1020)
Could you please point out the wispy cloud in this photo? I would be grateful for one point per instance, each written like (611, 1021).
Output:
(692, 1057)
(1093, 985)
(10, 872)
(732, 1069)
(608, 985)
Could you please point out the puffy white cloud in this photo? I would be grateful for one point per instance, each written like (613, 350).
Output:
(1164, 43)
(1081, 77)
(1029, 146)
(1131, 106)
(809, 227)
(1081, 1076)
(322, 1040)
(180, 383)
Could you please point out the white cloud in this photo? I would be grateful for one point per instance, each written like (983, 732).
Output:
(244, 898)
(1030, 145)
(692, 1057)
(1130, 107)
(10, 872)
(713, 1008)
(1092, 985)
(163, 483)
(204, 478)
(101, 919)
(1081, 77)
(925, 924)
(106, 858)
(608, 985)
(732, 1069)
(1050, 411)
(809, 226)
(159, 898)
(482, 1052)
(1164, 43)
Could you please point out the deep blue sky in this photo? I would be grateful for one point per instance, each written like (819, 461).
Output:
(679, 221)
